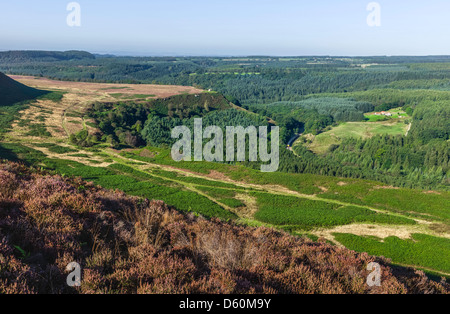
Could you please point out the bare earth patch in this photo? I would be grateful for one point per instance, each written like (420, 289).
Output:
(379, 231)
(251, 206)
(218, 176)
(377, 187)
(432, 192)
(440, 228)
(147, 154)
(324, 189)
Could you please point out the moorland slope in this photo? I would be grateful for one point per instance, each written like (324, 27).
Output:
(132, 245)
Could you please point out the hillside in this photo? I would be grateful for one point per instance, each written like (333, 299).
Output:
(133, 123)
(90, 132)
(12, 91)
(130, 245)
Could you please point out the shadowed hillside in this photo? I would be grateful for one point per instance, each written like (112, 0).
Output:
(12, 92)
(130, 245)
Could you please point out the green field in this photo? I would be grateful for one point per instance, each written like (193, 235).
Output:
(375, 126)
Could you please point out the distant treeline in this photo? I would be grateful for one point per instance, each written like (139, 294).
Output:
(251, 80)
(39, 56)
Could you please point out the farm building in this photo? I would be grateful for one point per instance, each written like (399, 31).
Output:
(383, 113)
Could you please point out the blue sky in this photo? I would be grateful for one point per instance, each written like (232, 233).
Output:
(228, 27)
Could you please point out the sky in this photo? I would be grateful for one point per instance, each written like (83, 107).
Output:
(228, 27)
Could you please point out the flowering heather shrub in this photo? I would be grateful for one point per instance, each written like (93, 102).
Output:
(131, 245)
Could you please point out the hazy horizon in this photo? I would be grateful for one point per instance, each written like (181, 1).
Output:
(179, 55)
(229, 28)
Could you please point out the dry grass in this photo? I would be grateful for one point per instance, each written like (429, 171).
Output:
(130, 245)
(105, 90)
(441, 229)
(402, 232)
(67, 115)
(382, 232)
(251, 206)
